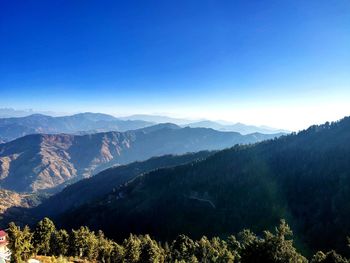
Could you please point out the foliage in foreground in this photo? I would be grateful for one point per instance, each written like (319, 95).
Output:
(82, 243)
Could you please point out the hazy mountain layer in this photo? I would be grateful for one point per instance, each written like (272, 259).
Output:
(217, 125)
(237, 127)
(12, 128)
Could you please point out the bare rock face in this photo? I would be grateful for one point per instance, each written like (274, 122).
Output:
(11, 199)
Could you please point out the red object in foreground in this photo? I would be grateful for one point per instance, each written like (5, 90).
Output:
(3, 236)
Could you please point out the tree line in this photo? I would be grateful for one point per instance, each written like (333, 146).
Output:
(245, 247)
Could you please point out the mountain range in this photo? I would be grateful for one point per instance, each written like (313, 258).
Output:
(216, 125)
(86, 123)
(302, 177)
(49, 161)
(10, 113)
(237, 127)
(13, 128)
(157, 119)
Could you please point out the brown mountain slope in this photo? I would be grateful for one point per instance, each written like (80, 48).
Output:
(38, 162)
(11, 199)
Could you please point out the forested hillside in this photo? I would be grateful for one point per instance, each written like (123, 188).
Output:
(303, 177)
(96, 187)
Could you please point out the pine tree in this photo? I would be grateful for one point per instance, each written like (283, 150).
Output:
(83, 243)
(132, 247)
(183, 248)
(105, 248)
(118, 252)
(59, 243)
(42, 235)
(274, 248)
(150, 251)
(329, 257)
(20, 243)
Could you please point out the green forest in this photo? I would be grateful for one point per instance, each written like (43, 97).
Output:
(304, 178)
(245, 247)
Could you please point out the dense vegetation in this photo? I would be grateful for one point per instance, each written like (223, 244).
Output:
(246, 247)
(303, 177)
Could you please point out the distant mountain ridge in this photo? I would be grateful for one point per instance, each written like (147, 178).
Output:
(13, 128)
(87, 123)
(156, 119)
(13, 113)
(47, 161)
(237, 127)
(216, 125)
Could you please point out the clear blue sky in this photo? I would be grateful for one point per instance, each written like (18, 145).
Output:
(281, 63)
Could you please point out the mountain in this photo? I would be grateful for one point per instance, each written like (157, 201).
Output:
(88, 123)
(237, 127)
(11, 199)
(304, 178)
(156, 119)
(93, 188)
(13, 128)
(49, 161)
(9, 113)
(219, 125)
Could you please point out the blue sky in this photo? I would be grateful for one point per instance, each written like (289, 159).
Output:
(279, 63)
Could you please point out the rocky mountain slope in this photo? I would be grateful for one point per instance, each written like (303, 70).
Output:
(13, 199)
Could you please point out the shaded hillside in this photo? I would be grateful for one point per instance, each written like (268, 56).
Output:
(96, 187)
(12, 128)
(304, 178)
(39, 162)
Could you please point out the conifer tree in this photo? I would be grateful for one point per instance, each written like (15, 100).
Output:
(84, 243)
(274, 248)
(132, 247)
(42, 235)
(150, 251)
(59, 243)
(105, 248)
(183, 248)
(19, 243)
